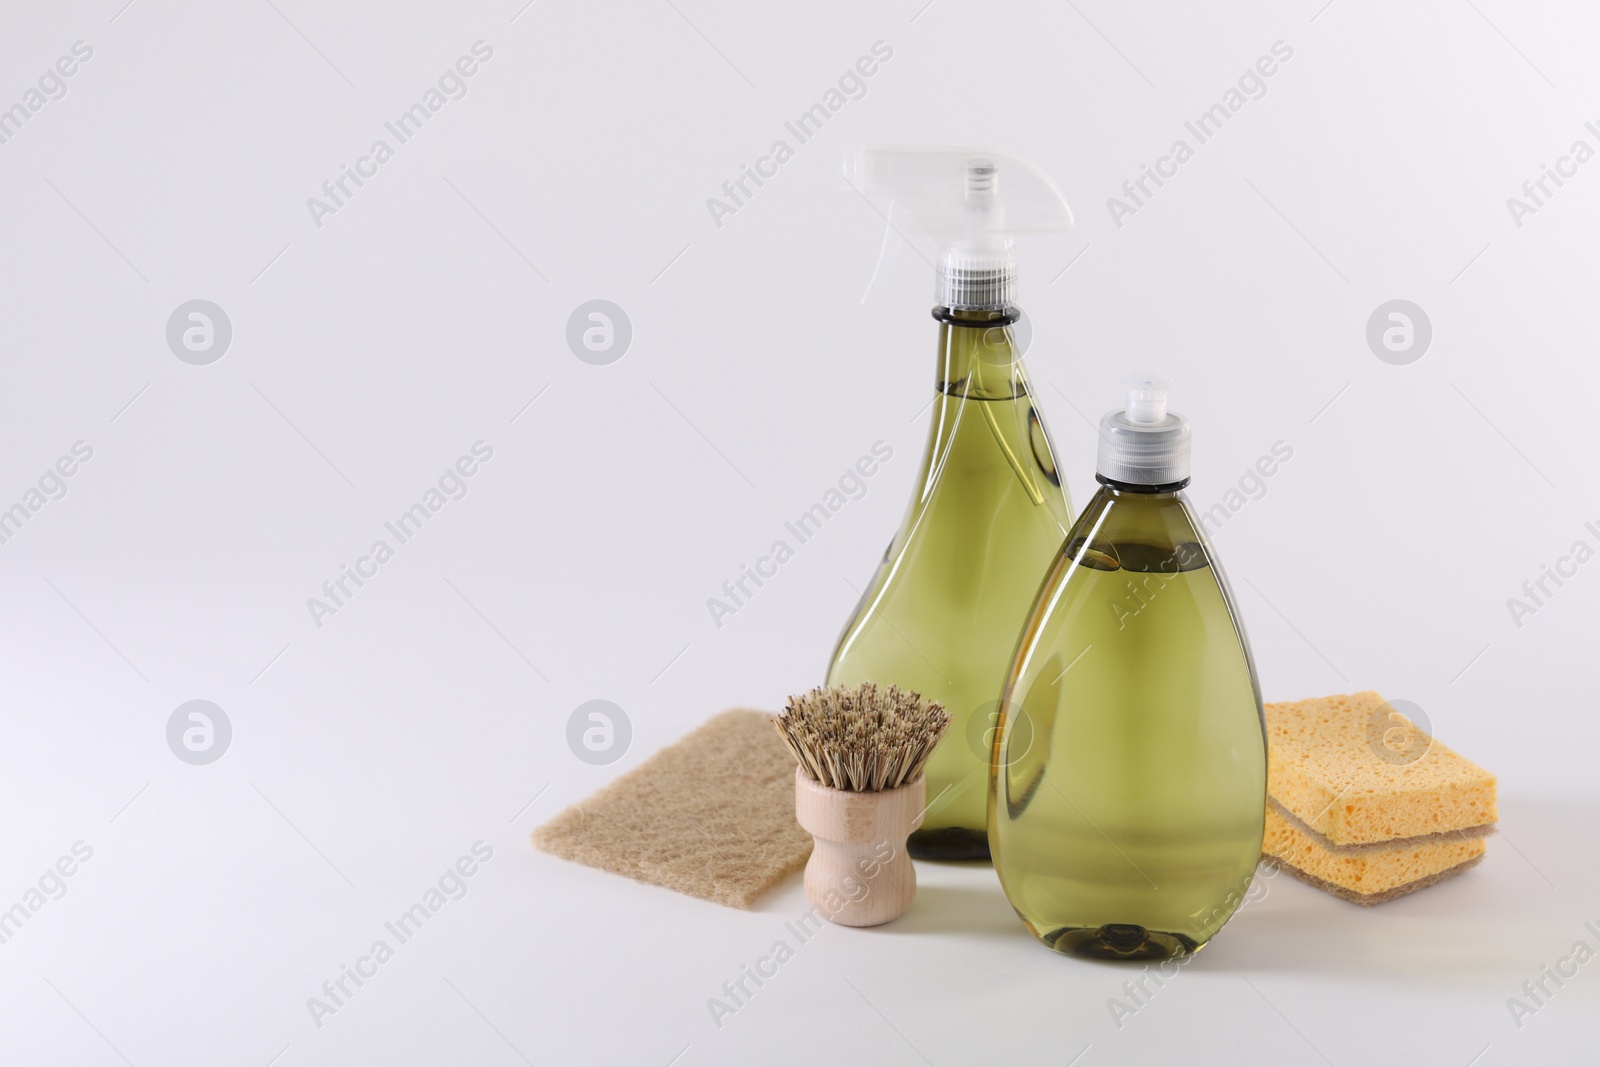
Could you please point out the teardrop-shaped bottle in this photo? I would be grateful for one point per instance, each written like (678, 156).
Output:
(941, 614)
(1128, 785)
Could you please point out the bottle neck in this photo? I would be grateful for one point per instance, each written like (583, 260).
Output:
(978, 356)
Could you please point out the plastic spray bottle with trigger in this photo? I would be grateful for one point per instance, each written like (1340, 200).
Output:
(1130, 773)
(940, 616)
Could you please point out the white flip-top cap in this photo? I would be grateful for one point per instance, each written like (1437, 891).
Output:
(1144, 443)
(973, 203)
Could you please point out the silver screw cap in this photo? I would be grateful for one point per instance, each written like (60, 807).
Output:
(1144, 443)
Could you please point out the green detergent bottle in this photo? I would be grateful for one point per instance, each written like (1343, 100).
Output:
(1130, 766)
(989, 511)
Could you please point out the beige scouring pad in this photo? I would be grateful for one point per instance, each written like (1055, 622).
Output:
(711, 816)
(1365, 805)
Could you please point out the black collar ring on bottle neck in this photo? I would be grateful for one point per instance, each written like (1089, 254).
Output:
(1002, 317)
(1133, 487)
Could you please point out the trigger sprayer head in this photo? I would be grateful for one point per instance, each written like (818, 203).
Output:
(1144, 444)
(973, 202)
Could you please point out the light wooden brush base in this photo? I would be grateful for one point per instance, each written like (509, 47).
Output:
(859, 873)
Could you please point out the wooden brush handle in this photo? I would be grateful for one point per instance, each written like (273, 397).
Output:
(859, 873)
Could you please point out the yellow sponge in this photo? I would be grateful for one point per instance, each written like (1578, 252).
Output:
(1367, 874)
(1364, 804)
(1346, 766)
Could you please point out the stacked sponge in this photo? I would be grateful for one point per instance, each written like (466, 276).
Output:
(1364, 804)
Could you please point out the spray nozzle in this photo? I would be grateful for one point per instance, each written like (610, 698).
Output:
(981, 178)
(973, 203)
(1147, 398)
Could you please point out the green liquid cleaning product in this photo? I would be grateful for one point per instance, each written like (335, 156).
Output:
(1129, 775)
(941, 614)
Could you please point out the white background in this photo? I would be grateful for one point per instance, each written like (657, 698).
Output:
(372, 351)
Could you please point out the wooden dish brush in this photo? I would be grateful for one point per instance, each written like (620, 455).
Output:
(859, 791)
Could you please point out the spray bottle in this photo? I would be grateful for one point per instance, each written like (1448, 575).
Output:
(941, 615)
(1130, 765)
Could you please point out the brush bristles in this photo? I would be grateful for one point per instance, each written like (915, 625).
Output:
(863, 739)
